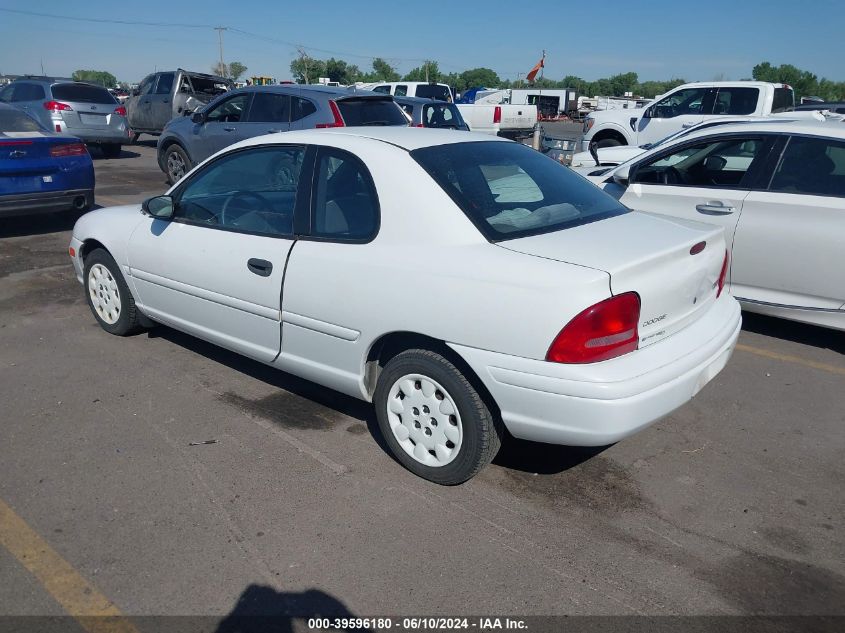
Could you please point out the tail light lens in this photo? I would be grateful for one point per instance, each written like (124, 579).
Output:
(497, 114)
(723, 276)
(605, 330)
(338, 120)
(120, 110)
(56, 106)
(69, 149)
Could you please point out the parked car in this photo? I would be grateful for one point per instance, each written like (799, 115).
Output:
(164, 95)
(777, 188)
(837, 107)
(505, 292)
(432, 113)
(421, 89)
(256, 110)
(41, 170)
(72, 108)
(509, 121)
(682, 107)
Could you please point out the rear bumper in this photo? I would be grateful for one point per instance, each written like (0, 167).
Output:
(117, 134)
(602, 403)
(44, 201)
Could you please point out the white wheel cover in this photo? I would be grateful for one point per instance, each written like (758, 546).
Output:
(424, 420)
(105, 297)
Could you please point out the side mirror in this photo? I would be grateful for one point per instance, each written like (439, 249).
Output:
(621, 175)
(198, 118)
(160, 207)
(647, 113)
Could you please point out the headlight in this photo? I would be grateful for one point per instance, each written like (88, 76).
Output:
(588, 123)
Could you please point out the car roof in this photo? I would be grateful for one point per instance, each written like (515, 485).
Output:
(833, 129)
(312, 88)
(408, 138)
(417, 100)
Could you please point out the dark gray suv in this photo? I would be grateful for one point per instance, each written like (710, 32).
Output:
(256, 110)
(72, 108)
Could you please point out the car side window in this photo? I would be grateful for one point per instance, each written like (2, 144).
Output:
(165, 84)
(813, 166)
(269, 107)
(715, 163)
(687, 101)
(6, 94)
(345, 205)
(146, 85)
(230, 110)
(301, 108)
(401, 91)
(382, 89)
(251, 191)
(736, 101)
(28, 92)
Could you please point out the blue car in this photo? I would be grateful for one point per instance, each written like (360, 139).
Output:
(41, 171)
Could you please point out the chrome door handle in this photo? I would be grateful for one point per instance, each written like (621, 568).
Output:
(273, 131)
(714, 208)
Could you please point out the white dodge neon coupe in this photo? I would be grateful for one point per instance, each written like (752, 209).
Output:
(463, 284)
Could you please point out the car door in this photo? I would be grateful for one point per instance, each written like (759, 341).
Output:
(680, 109)
(706, 179)
(138, 105)
(220, 127)
(161, 102)
(215, 269)
(790, 241)
(322, 321)
(268, 113)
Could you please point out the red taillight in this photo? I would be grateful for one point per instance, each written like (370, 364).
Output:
(120, 110)
(724, 274)
(420, 125)
(56, 106)
(606, 330)
(338, 120)
(9, 143)
(497, 114)
(69, 149)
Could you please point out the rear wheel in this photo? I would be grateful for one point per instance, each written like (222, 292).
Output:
(111, 150)
(108, 295)
(432, 418)
(608, 142)
(176, 163)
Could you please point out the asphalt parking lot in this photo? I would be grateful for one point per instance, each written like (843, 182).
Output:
(157, 474)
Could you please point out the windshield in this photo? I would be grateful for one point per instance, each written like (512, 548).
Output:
(82, 93)
(370, 112)
(509, 190)
(16, 121)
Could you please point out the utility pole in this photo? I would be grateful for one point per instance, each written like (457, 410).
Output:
(220, 30)
(303, 56)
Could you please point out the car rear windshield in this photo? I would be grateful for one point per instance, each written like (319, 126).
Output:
(434, 91)
(370, 112)
(16, 121)
(509, 190)
(82, 93)
(442, 115)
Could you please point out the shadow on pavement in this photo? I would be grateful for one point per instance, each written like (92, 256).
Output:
(802, 333)
(262, 609)
(39, 224)
(97, 154)
(543, 459)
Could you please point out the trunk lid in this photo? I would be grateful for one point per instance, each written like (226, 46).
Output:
(646, 254)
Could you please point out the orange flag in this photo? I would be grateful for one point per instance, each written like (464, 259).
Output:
(533, 72)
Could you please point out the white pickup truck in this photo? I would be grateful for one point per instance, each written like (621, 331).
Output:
(683, 107)
(510, 121)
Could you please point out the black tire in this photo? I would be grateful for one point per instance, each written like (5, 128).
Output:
(609, 142)
(174, 156)
(127, 319)
(111, 150)
(482, 431)
(135, 137)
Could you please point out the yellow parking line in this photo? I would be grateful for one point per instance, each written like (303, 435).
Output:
(797, 360)
(75, 594)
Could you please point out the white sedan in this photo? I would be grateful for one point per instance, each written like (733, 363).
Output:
(778, 190)
(464, 284)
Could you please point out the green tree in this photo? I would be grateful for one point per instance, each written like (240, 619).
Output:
(305, 69)
(236, 70)
(384, 71)
(220, 69)
(429, 71)
(341, 71)
(622, 83)
(478, 77)
(100, 77)
(803, 82)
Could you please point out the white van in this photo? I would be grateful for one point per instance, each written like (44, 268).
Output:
(421, 89)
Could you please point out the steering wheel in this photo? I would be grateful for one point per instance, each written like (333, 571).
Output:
(243, 194)
(671, 176)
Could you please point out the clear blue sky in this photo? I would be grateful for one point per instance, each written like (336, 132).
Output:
(696, 41)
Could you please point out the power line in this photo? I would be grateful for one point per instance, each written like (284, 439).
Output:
(105, 21)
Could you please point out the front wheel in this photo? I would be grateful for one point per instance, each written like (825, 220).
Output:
(176, 163)
(432, 418)
(108, 295)
(608, 142)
